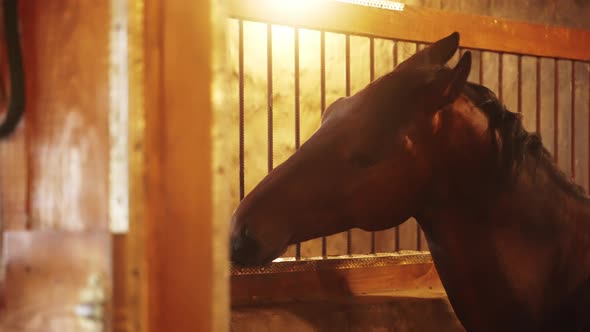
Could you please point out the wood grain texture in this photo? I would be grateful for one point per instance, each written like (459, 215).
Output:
(49, 274)
(66, 56)
(329, 283)
(129, 250)
(178, 217)
(403, 311)
(424, 25)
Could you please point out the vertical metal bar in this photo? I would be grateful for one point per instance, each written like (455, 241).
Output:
(323, 71)
(323, 102)
(372, 78)
(297, 115)
(395, 63)
(241, 97)
(556, 108)
(573, 131)
(349, 232)
(269, 94)
(519, 84)
(538, 110)
(588, 64)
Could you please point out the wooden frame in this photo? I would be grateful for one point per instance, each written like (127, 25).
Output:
(421, 24)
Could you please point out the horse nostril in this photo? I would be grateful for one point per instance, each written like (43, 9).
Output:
(243, 247)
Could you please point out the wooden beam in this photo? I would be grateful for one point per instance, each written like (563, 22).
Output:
(177, 156)
(421, 25)
(327, 283)
(66, 63)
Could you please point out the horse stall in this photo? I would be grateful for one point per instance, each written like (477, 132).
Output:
(147, 122)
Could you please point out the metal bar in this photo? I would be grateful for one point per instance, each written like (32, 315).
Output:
(347, 63)
(241, 97)
(269, 94)
(372, 78)
(538, 110)
(323, 71)
(323, 104)
(556, 109)
(395, 63)
(297, 114)
(418, 228)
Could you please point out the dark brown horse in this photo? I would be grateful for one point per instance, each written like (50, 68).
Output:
(508, 232)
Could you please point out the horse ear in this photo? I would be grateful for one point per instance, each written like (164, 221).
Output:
(439, 53)
(450, 84)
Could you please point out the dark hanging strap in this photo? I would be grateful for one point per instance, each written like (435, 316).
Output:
(16, 102)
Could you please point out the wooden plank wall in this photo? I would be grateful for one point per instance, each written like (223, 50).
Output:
(551, 93)
(63, 140)
(54, 169)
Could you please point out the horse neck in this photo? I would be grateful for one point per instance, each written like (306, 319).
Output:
(521, 241)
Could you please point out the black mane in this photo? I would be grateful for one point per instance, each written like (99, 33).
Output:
(517, 142)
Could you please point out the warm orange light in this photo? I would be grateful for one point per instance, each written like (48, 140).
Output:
(294, 7)
(304, 7)
(383, 4)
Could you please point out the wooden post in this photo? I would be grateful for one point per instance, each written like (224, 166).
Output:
(173, 194)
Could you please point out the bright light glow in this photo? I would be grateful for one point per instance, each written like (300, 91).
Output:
(383, 4)
(305, 7)
(294, 7)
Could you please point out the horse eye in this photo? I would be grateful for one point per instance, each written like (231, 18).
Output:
(362, 161)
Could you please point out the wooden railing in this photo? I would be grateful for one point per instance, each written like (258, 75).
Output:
(419, 24)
